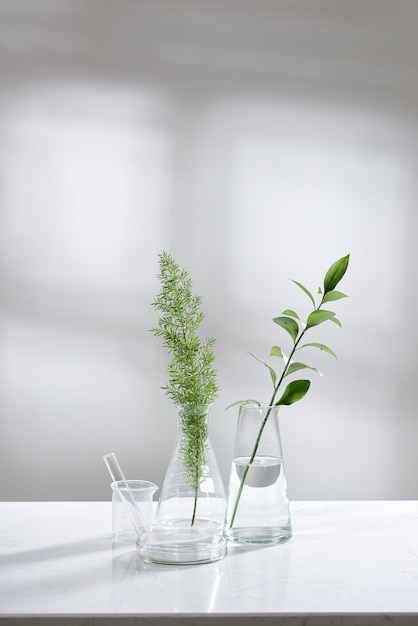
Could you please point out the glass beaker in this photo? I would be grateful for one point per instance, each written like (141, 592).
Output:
(189, 519)
(258, 506)
(123, 522)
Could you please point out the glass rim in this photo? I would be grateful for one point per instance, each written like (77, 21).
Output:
(133, 485)
(248, 404)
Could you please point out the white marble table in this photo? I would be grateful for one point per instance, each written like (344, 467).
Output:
(348, 563)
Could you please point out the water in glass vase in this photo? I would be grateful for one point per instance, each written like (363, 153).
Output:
(262, 513)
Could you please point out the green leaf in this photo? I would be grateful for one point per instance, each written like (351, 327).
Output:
(270, 369)
(336, 321)
(308, 293)
(321, 346)
(291, 313)
(335, 273)
(288, 324)
(276, 351)
(294, 367)
(333, 295)
(319, 290)
(317, 317)
(294, 391)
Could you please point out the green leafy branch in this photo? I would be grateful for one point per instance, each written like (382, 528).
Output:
(296, 328)
(191, 381)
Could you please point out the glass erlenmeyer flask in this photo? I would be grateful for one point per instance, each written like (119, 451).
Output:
(258, 506)
(188, 525)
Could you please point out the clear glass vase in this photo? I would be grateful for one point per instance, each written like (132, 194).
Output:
(258, 506)
(188, 525)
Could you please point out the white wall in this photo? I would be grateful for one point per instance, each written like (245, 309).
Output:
(255, 140)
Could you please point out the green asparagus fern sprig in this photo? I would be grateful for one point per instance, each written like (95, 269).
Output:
(296, 328)
(192, 384)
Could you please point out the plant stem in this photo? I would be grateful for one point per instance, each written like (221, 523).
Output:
(260, 432)
(247, 467)
(198, 456)
(194, 507)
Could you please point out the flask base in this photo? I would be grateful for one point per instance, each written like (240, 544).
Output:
(260, 536)
(181, 546)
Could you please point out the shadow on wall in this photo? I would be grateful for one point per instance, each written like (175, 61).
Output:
(255, 147)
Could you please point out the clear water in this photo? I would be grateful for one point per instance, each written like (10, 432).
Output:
(263, 510)
(264, 471)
